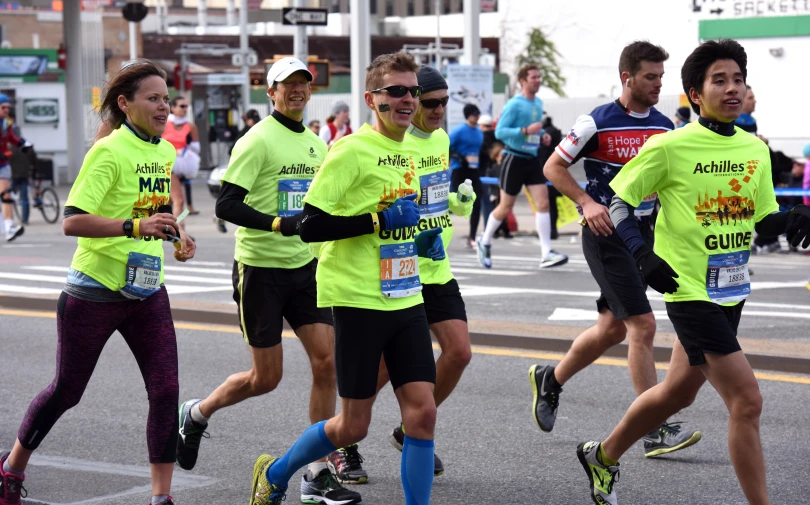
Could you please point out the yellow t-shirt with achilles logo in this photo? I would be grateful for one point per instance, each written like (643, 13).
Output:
(434, 180)
(713, 190)
(276, 166)
(122, 177)
(366, 172)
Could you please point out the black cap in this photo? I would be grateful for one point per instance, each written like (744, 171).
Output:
(430, 79)
(471, 110)
(253, 114)
(684, 114)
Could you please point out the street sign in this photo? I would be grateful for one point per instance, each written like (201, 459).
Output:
(304, 17)
(41, 111)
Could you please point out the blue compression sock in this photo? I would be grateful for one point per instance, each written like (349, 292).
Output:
(312, 446)
(417, 470)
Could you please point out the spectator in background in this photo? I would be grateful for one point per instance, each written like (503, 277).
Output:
(8, 138)
(485, 165)
(22, 164)
(185, 138)
(250, 118)
(543, 154)
(465, 148)
(746, 121)
(806, 178)
(496, 155)
(338, 127)
(683, 116)
(315, 126)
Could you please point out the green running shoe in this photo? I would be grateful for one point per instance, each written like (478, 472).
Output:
(602, 477)
(264, 492)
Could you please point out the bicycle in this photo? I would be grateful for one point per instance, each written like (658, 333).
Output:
(45, 199)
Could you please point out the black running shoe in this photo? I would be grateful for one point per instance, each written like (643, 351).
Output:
(191, 433)
(346, 464)
(669, 438)
(397, 439)
(324, 488)
(546, 397)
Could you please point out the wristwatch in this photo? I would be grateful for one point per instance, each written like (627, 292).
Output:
(128, 229)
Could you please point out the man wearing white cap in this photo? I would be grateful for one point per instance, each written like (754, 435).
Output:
(339, 126)
(269, 173)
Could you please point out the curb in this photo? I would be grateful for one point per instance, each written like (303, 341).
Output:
(758, 361)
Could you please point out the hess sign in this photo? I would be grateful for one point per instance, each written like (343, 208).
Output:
(41, 111)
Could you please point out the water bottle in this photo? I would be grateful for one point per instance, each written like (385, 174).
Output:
(465, 191)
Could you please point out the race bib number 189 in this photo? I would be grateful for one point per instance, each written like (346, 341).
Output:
(291, 196)
(435, 194)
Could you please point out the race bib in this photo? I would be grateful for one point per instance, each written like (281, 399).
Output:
(291, 196)
(647, 205)
(142, 276)
(399, 270)
(530, 143)
(727, 278)
(434, 194)
(472, 160)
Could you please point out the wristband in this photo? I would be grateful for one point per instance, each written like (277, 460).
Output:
(276, 227)
(375, 220)
(136, 228)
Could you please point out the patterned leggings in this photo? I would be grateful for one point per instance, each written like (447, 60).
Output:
(83, 329)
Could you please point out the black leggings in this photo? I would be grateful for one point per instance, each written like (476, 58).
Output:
(473, 175)
(83, 328)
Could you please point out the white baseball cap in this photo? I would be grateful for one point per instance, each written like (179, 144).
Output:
(284, 68)
(485, 119)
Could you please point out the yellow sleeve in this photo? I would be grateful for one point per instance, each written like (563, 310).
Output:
(335, 177)
(249, 156)
(100, 172)
(765, 198)
(644, 174)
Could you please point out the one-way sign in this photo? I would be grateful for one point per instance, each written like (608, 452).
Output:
(301, 16)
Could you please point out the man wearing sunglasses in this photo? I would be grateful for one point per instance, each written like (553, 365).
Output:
(444, 307)
(520, 128)
(362, 203)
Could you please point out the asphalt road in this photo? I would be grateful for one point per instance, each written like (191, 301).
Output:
(492, 451)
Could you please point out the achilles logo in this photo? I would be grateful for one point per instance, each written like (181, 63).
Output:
(396, 160)
(722, 167)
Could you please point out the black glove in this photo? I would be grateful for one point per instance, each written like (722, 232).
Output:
(657, 272)
(798, 226)
(290, 226)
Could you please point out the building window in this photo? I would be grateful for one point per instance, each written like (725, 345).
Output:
(372, 4)
(447, 7)
(427, 6)
(411, 7)
(389, 7)
(335, 6)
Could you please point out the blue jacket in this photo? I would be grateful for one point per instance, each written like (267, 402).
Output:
(465, 141)
(520, 112)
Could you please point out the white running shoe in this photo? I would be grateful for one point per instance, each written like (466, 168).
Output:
(553, 259)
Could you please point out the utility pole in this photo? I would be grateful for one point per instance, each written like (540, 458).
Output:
(243, 46)
(301, 43)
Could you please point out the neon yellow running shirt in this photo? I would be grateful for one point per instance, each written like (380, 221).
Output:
(713, 189)
(434, 182)
(276, 166)
(366, 172)
(122, 177)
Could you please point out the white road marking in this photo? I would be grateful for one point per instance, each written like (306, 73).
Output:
(567, 314)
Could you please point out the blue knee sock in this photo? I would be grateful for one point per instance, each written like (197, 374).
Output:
(417, 470)
(312, 446)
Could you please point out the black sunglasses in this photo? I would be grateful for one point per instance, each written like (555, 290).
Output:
(433, 103)
(399, 91)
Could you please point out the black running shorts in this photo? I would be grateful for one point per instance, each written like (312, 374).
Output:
(443, 302)
(623, 290)
(266, 295)
(362, 336)
(517, 172)
(705, 327)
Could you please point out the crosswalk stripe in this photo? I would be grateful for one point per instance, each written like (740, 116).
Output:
(481, 271)
(168, 277)
(11, 288)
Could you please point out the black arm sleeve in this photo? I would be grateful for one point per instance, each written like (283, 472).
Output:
(72, 211)
(772, 225)
(318, 226)
(231, 207)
